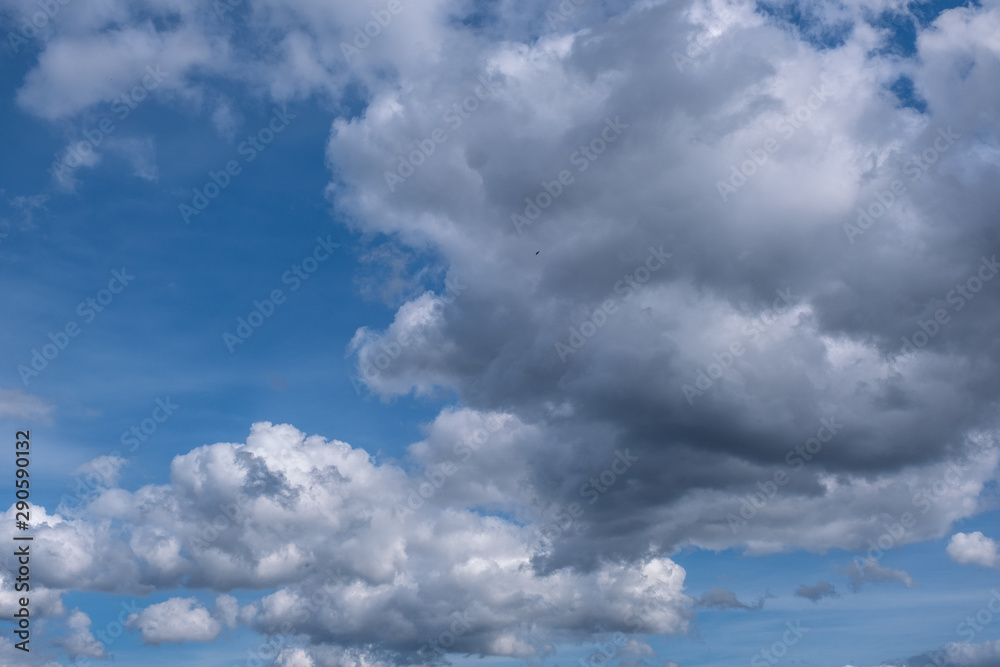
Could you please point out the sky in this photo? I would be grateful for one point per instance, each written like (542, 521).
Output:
(495, 333)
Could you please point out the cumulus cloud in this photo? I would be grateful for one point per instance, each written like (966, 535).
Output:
(965, 548)
(176, 621)
(81, 641)
(226, 610)
(816, 592)
(319, 521)
(833, 340)
(772, 334)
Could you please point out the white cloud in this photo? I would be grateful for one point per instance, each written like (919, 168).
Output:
(81, 641)
(318, 521)
(279, 510)
(15, 404)
(101, 471)
(226, 610)
(177, 620)
(965, 548)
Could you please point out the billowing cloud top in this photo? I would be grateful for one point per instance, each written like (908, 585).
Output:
(711, 282)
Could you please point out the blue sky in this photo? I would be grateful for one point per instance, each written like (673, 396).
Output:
(320, 451)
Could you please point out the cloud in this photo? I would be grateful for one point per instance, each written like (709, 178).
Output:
(869, 570)
(298, 657)
(347, 571)
(101, 471)
(15, 404)
(226, 610)
(45, 602)
(721, 598)
(816, 592)
(176, 621)
(140, 153)
(81, 641)
(27, 205)
(917, 424)
(9, 655)
(965, 548)
(838, 344)
(961, 654)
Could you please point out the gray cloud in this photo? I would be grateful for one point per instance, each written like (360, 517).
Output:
(960, 654)
(919, 419)
(870, 571)
(816, 592)
(723, 598)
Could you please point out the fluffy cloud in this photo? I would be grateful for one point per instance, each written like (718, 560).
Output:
(773, 339)
(81, 641)
(226, 610)
(175, 621)
(973, 547)
(319, 522)
(818, 320)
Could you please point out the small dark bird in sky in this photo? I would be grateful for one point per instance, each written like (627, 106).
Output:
(537, 251)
